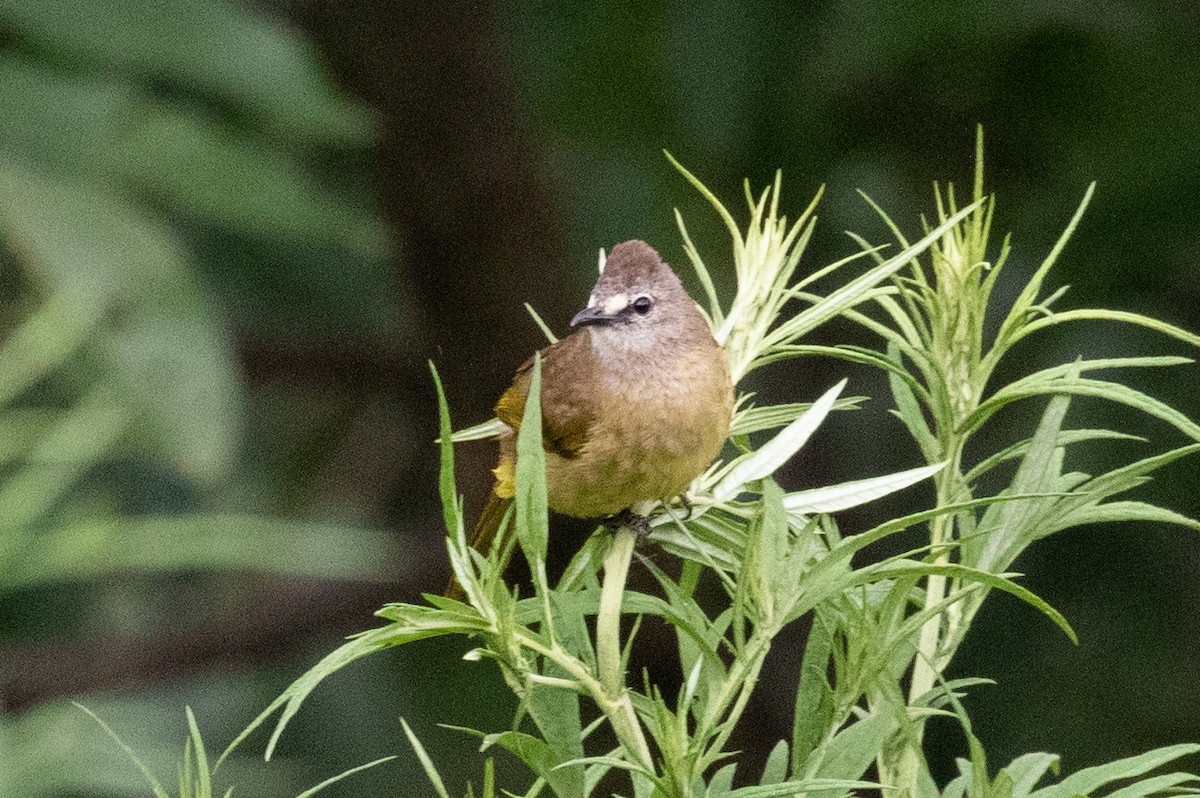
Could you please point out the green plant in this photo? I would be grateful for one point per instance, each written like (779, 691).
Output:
(196, 776)
(137, 135)
(883, 631)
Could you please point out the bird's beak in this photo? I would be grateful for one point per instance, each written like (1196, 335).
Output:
(591, 315)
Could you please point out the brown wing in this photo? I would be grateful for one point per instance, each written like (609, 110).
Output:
(566, 387)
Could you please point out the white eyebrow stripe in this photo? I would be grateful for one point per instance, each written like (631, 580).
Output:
(615, 304)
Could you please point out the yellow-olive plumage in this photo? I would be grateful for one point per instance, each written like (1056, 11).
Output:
(634, 405)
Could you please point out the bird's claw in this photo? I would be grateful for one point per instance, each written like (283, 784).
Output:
(638, 524)
(687, 506)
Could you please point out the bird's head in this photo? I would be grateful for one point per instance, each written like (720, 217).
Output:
(637, 296)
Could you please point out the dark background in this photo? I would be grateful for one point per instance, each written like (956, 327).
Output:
(494, 147)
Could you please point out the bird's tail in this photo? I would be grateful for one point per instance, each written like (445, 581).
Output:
(483, 538)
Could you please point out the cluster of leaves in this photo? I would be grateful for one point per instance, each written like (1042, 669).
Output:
(129, 127)
(941, 367)
(196, 774)
(882, 633)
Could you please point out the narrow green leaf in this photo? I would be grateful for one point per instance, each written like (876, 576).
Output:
(358, 647)
(426, 763)
(1112, 391)
(1099, 314)
(721, 784)
(853, 749)
(238, 182)
(542, 759)
(998, 581)
(311, 791)
(775, 771)
(839, 497)
(1132, 474)
(491, 428)
(851, 354)
(730, 224)
(847, 295)
(757, 419)
(910, 411)
(545, 328)
(1168, 784)
(555, 712)
(1065, 438)
(1089, 780)
(1004, 532)
(532, 524)
(46, 338)
(82, 437)
(238, 54)
(96, 547)
(1016, 315)
(93, 249)
(788, 789)
(814, 695)
(715, 315)
(1028, 769)
(1122, 511)
(204, 786)
(155, 785)
(779, 449)
(447, 488)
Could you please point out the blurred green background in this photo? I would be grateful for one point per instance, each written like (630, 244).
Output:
(233, 233)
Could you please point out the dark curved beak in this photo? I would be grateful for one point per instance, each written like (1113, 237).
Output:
(592, 315)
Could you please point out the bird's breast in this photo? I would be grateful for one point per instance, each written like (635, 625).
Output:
(656, 424)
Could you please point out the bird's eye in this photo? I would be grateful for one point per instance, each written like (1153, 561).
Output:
(642, 305)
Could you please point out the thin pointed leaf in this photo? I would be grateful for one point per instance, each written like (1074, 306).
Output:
(998, 581)
(846, 296)
(1027, 770)
(726, 217)
(1065, 438)
(493, 428)
(1099, 314)
(814, 695)
(1088, 780)
(757, 419)
(1003, 528)
(311, 791)
(779, 449)
(446, 486)
(1122, 511)
(545, 328)
(851, 494)
(1159, 785)
(909, 410)
(715, 314)
(1016, 315)
(1101, 389)
(427, 765)
(788, 789)
(158, 789)
(202, 770)
(531, 520)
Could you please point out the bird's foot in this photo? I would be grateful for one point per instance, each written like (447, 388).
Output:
(639, 524)
(687, 506)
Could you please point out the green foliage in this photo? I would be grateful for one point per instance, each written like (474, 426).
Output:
(883, 630)
(195, 775)
(133, 131)
(110, 347)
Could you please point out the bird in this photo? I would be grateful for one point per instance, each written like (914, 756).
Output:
(635, 404)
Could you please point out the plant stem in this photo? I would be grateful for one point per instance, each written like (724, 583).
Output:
(608, 646)
(608, 618)
(927, 663)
